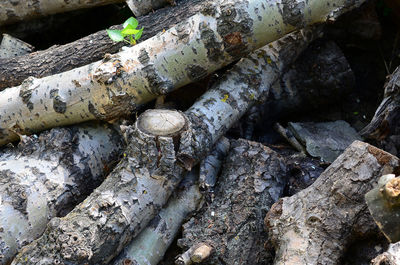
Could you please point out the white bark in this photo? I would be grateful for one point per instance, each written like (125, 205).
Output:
(47, 176)
(142, 7)
(152, 243)
(16, 10)
(389, 257)
(222, 33)
(11, 47)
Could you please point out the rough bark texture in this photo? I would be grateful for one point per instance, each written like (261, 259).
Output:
(142, 7)
(315, 225)
(390, 257)
(384, 126)
(16, 10)
(12, 47)
(63, 58)
(152, 243)
(140, 185)
(252, 179)
(222, 33)
(47, 176)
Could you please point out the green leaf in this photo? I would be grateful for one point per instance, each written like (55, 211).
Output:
(139, 34)
(115, 35)
(131, 21)
(129, 30)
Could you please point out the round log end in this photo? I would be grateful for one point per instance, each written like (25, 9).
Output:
(162, 122)
(201, 253)
(392, 188)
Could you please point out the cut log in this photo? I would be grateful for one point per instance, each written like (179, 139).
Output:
(47, 176)
(142, 7)
(315, 225)
(150, 246)
(222, 33)
(12, 11)
(12, 47)
(96, 230)
(58, 59)
(384, 126)
(252, 179)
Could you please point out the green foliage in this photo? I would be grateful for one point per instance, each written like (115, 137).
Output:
(130, 30)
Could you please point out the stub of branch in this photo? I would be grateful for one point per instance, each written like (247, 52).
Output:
(252, 179)
(195, 254)
(47, 176)
(12, 47)
(315, 225)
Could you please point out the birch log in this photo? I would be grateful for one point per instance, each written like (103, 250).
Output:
(96, 230)
(152, 243)
(142, 7)
(89, 49)
(389, 257)
(12, 47)
(47, 176)
(223, 32)
(12, 11)
(315, 225)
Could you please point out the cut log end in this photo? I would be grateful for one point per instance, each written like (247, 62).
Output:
(162, 122)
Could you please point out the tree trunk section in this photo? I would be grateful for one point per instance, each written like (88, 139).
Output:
(315, 225)
(12, 11)
(142, 7)
(47, 176)
(252, 179)
(225, 31)
(58, 59)
(11, 47)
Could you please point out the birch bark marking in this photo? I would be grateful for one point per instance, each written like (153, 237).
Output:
(222, 33)
(16, 10)
(141, 7)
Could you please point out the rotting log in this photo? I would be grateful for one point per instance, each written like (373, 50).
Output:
(12, 11)
(47, 176)
(252, 179)
(12, 47)
(223, 32)
(315, 225)
(149, 247)
(61, 58)
(142, 7)
(384, 126)
(96, 230)
(389, 257)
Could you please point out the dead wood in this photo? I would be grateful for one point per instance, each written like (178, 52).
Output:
(315, 225)
(89, 49)
(252, 179)
(384, 126)
(12, 47)
(390, 257)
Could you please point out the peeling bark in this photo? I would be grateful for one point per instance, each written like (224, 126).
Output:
(96, 230)
(47, 176)
(12, 11)
(315, 225)
(150, 246)
(115, 86)
(252, 179)
(142, 7)
(12, 47)
(89, 49)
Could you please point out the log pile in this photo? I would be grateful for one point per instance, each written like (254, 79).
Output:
(96, 167)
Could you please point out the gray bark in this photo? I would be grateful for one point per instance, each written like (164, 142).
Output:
(61, 58)
(252, 179)
(96, 230)
(222, 33)
(384, 126)
(149, 247)
(315, 225)
(47, 176)
(12, 47)
(142, 7)
(12, 11)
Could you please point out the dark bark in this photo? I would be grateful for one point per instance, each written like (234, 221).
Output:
(92, 48)
(315, 225)
(253, 178)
